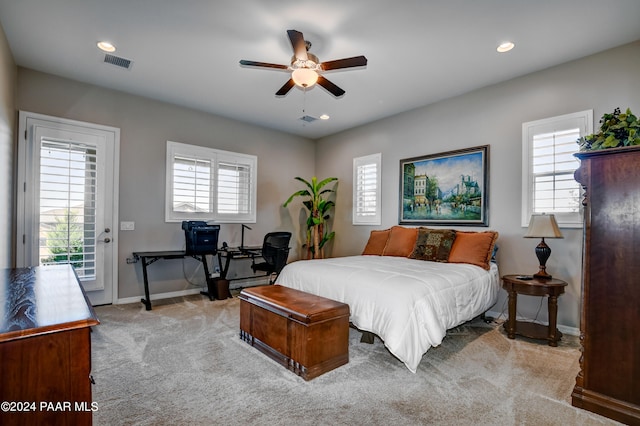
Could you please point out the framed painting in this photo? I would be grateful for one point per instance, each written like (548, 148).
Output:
(449, 188)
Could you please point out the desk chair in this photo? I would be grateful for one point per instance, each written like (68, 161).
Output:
(275, 251)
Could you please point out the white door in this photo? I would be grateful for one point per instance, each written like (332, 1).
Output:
(67, 194)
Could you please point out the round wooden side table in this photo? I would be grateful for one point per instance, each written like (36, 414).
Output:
(531, 286)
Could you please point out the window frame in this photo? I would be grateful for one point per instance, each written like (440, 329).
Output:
(582, 120)
(376, 218)
(215, 157)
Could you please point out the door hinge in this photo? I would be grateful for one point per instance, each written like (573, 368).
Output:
(24, 239)
(24, 189)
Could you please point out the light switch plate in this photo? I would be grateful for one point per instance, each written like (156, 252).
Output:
(127, 226)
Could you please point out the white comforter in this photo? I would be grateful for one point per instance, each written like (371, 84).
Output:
(410, 304)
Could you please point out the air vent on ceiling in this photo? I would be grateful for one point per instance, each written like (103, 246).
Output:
(117, 61)
(308, 118)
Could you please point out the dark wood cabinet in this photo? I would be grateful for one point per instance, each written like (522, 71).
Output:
(45, 347)
(609, 379)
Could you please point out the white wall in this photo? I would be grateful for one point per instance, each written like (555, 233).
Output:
(489, 116)
(145, 126)
(8, 78)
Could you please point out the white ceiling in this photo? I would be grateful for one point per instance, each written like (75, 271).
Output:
(419, 51)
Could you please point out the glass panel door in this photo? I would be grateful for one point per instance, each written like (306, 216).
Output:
(67, 199)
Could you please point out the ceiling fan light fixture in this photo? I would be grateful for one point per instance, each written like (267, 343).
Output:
(306, 70)
(304, 77)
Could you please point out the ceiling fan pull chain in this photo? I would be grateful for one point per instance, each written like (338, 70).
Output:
(304, 105)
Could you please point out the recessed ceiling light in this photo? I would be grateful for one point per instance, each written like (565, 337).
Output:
(106, 46)
(505, 47)
(324, 117)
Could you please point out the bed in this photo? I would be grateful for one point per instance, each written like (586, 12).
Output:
(409, 303)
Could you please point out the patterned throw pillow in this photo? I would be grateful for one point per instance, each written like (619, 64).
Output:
(433, 244)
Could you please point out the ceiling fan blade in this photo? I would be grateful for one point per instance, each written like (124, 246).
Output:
(335, 90)
(298, 44)
(356, 61)
(262, 64)
(285, 89)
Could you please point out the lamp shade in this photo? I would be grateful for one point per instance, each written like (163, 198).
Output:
(304, 77)
(543, 226)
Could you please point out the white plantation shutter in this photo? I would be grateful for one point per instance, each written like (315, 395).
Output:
(548, 164)
(554, 188)
(235, 188)
(209, 184)
(366, 190)
(192, 185)
(67, 225)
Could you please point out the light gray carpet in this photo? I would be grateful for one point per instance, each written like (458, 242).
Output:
(183, 364)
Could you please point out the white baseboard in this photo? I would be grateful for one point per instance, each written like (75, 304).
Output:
(158, 296)
(249, 282)
(571, 331)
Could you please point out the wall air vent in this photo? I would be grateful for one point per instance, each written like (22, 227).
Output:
(308, 118)
(118, 61)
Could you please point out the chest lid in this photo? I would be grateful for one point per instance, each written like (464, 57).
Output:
(296, 304)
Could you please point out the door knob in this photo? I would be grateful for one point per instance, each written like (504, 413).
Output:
(107, 240)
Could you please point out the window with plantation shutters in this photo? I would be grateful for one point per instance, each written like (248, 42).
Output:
(209, 184)
(548, 165)
(366, 190)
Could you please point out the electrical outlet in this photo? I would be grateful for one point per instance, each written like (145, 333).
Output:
(127, 226)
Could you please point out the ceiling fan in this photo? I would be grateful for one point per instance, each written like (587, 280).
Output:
(305, 67)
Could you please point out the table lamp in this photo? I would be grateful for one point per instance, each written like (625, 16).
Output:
(543, 226)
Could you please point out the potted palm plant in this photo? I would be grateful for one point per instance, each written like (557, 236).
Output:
(318, 206)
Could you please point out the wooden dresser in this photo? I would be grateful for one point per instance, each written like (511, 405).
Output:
(609, 380)
(45, 347)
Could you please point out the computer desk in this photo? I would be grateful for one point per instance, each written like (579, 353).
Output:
(236, 253)
(149, 257)
(229, 253)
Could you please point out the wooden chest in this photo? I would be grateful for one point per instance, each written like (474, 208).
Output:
(307, 334)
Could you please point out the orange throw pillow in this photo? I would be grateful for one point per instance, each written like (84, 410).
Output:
(377, 242)
(475, 248)
(401, 241)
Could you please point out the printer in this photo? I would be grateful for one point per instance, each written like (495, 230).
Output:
(200, 237)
